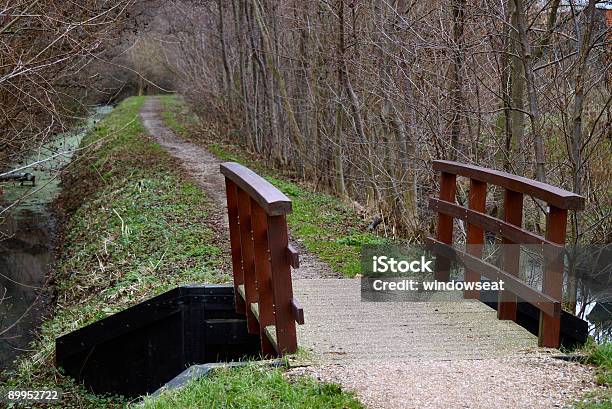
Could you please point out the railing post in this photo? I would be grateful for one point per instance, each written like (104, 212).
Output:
(475, 235)
(248, 260)
(264, 276)
(448, 187)
(281, 283)
(234, 230)
(552, 282)
(261, 259)
(511, 253)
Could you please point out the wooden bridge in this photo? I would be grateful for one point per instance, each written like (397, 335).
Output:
(141, 348)
(338, 326)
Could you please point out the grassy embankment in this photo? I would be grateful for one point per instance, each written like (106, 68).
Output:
(328, 227)
(252, 387)
(601, 357)
(135, 228)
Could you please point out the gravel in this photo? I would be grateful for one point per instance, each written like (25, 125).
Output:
(533, 380)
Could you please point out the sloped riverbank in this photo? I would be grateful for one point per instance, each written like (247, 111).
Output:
(28, 227)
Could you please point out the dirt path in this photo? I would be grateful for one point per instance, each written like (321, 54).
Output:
(401, 356)
(203, 167)
(531, 381)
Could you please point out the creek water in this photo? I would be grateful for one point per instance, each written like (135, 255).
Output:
(28, 232)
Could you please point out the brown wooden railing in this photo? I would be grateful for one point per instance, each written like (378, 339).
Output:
(262, 259)
(559, 201)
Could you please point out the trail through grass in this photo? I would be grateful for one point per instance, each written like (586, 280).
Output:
(328, 227)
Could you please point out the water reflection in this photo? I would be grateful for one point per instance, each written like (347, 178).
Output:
(587, 283)
(27, 234)
(25, 258)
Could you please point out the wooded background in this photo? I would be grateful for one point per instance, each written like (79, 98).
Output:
(358, 97)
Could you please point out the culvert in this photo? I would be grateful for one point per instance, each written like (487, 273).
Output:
(138, 350)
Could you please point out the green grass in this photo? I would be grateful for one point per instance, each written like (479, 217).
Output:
(136, 228)
(327, 226)
(600, 399)
(177, 118)
(255, 387)
(601, 357)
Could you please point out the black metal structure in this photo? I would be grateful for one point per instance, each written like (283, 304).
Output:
(137, 350)
(574, 331)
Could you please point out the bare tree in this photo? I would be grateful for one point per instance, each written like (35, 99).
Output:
(359, 97)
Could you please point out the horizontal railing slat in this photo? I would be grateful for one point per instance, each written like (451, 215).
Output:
(272, 200)
(489, 223)
(297, 311)
(543, 302)
(561, 198)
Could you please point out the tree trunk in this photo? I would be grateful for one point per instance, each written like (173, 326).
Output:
(274, 70)
(457, 110)
(534, 112)
(517, 80)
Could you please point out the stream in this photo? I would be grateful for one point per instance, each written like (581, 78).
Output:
(28, 232)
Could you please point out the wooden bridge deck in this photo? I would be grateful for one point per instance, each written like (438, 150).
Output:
(340, 328)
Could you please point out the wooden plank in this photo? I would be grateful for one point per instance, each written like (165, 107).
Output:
(297, 311)
(248, 258)
(511, 253)
(121, 323)
(544, 302)
(293, 256)
(272, 200)
(448, 188)
(574, 331)
(270, 332)
(281, 284)
(552, 284)
(475, 234)
(263, 274)
(490, 223)
(234, 230)
(560, 198)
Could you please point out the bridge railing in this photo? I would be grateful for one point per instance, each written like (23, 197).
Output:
(262, 258)
(559, 201)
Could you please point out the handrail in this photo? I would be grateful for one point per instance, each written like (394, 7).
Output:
(262, 259)
(511, 232)
(560, 198)
(490, 223)
(272, 200)
(543, 302)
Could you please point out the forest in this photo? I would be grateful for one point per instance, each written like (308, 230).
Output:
(359, 96)
(356, 97)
